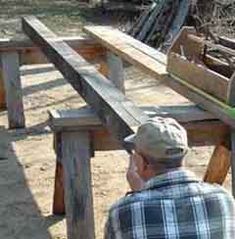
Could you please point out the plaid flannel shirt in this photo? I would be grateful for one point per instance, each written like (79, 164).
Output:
(173, 205)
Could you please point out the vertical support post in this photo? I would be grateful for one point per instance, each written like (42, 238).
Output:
(233, 160)
(231, 101)
(219, 164)
(58, 198)
(12, 83)
(2, 92)
(77, 182)
(116, 74)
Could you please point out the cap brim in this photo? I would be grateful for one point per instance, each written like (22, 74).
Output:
(129, 142)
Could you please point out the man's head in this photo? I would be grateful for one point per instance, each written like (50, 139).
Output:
(158, 146)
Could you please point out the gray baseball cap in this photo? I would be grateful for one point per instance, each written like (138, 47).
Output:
(160, 138)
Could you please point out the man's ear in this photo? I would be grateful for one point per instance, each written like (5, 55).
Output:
(142, 164)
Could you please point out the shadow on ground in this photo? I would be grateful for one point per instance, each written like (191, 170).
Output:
(20, 215)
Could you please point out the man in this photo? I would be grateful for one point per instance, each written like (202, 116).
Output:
(167, 201)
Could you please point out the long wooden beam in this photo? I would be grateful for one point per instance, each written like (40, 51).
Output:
(133, 51)
(29, 53)
(116, 112)
(202, 128)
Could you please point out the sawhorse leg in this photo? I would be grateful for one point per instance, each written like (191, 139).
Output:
(58, 199)
(233, 160)
(76, 185)
(219, 163)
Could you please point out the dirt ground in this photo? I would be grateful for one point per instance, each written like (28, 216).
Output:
(27, 174)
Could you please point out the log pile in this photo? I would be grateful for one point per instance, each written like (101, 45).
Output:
(159, 24)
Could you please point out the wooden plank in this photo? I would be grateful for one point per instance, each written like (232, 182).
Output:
(219, 164)
(228, 42)
(183, 46)
(116, 73)
(130, 50)
(13, 89)
(25, 44)
(116, 112)
(218, 47)
(202, 99)
(86, 117)
(202, 128)
(218, 66)
(31, 54)
(198, 75)
(77, 182)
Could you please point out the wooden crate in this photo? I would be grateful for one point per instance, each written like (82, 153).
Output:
(210, 75)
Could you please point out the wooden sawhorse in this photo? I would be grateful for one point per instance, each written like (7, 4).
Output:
(79, 133)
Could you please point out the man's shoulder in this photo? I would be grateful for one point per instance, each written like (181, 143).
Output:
(141, 198)
(131, 199)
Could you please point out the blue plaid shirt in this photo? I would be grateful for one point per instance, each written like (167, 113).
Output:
(173, 205)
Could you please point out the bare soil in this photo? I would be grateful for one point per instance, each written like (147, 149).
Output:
(27, 174)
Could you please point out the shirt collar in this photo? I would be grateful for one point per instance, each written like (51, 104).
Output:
(171, 177)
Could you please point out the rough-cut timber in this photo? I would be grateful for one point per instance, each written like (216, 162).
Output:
(116, 112)
(77, 184)
(135, 52)
(202, 128)
(29, 53)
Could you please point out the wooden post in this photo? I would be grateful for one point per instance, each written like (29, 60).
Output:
(233, 160)
(219, 164)
(231, 101)
(2, 92)
(58, 197)
(12, 83)
(77, 181)
(116, 74)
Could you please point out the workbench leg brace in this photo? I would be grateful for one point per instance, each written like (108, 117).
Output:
(73, 184)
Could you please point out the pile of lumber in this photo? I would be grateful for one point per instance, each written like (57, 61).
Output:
(161, 22)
